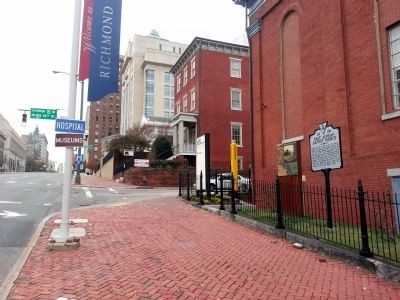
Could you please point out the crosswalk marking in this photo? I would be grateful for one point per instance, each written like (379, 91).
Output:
(112, 190)
(11, 214)
(87, 192)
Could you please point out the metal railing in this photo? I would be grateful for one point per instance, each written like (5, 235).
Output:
(358, 220)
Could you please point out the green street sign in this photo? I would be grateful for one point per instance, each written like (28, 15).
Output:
(43, 113)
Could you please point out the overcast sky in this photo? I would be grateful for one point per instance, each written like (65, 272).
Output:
(37, 36)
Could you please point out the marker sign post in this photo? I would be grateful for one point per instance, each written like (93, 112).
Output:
(72, 135)
(326, 155)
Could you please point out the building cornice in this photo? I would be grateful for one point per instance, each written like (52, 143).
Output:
(199, 43)
(254, 28)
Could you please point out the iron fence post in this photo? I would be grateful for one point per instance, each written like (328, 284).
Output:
(233, 205)
(201, 201)
(180, 184)
(279, 218)
(250, 181)
(187, 186)
(216, 181)
(328, 197)
(365, 250)
(221, 189)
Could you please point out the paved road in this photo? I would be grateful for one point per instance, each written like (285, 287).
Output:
(27, 198)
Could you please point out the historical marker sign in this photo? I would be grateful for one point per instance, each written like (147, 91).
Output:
(43, 113)
(325, 147)
(70, 126)
(69, 140)
(142, 163)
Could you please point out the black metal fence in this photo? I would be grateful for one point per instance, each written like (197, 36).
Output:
(365, 221)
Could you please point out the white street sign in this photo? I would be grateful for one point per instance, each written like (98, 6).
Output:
(10, 202)
(10, 214)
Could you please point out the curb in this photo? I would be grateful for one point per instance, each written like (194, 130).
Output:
(381, 268)
(16, 269)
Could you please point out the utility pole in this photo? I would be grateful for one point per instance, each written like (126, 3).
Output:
(64, 234)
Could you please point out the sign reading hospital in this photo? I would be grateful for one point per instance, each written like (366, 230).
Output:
(326, 150)
(70, 126)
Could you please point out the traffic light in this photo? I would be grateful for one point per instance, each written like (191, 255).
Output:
(24, 117)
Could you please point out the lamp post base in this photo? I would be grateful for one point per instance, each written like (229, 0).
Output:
(78, 178)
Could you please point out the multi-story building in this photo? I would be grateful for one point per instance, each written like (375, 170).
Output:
(147, 87)
(212, 96)
(36, 145)
(2, 143)
(103, 119)
(14, 153)
(314, 62)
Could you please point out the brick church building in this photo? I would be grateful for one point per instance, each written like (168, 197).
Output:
(326, 63)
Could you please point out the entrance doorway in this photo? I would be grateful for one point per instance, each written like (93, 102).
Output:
(289, 172)
(396, 201)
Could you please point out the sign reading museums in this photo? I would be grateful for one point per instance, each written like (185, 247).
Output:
(325, 147)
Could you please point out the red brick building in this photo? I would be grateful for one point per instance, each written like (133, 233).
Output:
(212, 96)
(326, 61)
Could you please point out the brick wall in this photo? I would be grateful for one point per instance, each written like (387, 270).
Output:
(338, 82)
(151, 177)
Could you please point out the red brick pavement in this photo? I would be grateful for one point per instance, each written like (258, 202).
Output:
(167, 249)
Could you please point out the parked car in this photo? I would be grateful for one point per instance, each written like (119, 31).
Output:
(243, 182)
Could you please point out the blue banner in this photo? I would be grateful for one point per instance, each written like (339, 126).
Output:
(104, 56)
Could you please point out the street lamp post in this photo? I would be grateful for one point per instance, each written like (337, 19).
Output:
(78, 175)
(64, 234)
(78, 168)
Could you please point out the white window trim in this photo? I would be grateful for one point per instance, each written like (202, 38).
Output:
(185, 76)
(192, 99)
(240, 143)
(185, 106)
(178, 82)
(193, 67)
(232, 59)
(240, 99)
(392, 115)
(396, 98)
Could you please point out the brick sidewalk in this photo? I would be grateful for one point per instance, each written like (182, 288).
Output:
(167, 249)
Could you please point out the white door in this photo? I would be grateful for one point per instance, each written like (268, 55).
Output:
(396, 200)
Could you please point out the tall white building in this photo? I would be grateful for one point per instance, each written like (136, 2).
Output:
(36, 146)
(147, 86)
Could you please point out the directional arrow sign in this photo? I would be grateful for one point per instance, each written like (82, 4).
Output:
(43, 113)
(10, 214)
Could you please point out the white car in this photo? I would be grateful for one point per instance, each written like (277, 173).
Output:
(243, 182)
